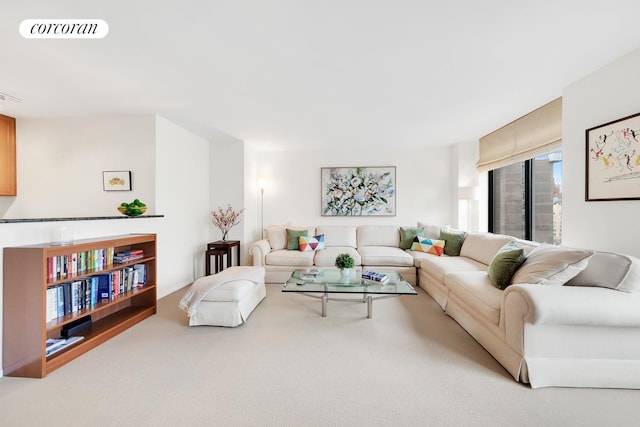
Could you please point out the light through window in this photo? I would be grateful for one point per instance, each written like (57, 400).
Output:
(526, 199)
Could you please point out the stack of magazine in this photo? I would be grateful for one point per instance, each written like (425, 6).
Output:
(309, 275)
(55, 345)
(373, 277)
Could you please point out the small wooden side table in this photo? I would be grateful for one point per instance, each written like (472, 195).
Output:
(219, 249)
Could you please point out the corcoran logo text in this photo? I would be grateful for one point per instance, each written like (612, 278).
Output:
(64, 28)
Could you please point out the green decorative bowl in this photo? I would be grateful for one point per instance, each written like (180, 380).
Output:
(132, 211)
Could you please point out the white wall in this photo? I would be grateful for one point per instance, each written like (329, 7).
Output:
(608, 94)
(227, 182)
(182, 196)
(466, 155)
(60, 163)
(252, 198)
(292, 195)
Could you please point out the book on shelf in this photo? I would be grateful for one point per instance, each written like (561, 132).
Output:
(52, 304)
(54, 345)
(75, 296)
(60, 294)
(141, 278)
(124, 257)
(105, 290)
(373, 277)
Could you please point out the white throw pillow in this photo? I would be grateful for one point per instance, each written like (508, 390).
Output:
(432, 231)
(610, 270)
(552, 265)
(277, 236)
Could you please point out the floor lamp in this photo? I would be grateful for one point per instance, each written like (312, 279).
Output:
(261, 183)
(468, 194)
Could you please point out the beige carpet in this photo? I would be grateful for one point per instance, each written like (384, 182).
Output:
(409, 365)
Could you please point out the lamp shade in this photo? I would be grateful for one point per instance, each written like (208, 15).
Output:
(468, 193)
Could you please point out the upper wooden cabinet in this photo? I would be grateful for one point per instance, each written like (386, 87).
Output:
(7, 156)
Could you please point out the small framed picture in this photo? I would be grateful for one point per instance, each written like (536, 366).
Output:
(116, 180)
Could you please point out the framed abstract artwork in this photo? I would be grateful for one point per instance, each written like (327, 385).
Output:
(116, 180)
(612, 164)
(358, 191)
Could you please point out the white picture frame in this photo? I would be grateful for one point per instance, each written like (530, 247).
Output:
(116, 180)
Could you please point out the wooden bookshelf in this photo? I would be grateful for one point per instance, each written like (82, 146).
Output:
(25, 326)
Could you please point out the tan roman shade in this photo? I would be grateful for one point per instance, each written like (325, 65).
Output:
(537, 133)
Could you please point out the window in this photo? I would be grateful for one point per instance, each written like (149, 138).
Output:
(525, 199)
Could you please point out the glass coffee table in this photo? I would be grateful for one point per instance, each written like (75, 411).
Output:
(328, 285)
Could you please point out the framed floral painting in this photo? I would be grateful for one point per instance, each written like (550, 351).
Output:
(358, 191)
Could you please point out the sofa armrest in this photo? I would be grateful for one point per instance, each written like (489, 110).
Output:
(259, 251)
(565, 305)
(577, 305)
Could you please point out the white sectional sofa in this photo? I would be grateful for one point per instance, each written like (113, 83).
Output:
(582, 332)
(570, 318)
(370, 246)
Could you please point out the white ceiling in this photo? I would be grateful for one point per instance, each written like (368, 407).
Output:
(298, 74)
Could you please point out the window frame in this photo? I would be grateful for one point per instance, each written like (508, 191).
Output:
(529, 205)
(528, 176)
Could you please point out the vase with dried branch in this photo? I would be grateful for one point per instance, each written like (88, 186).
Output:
(226, 219)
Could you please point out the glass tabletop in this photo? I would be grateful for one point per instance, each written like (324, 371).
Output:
(330, 280)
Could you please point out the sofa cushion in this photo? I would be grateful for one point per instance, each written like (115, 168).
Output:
(327, 257)
(313, 243)
(407, 234)
(286, 257)
(432, 230)
(338, 235)
(277, 237)
(552, 265)
(505, 263)
(234, 290)
(453, 241)
(527, 245)
(418, 256)
(378, 235)
(384, 255)
(478, 292)
(431, 246)
(610, 270)
(483, 246)
(438, 267)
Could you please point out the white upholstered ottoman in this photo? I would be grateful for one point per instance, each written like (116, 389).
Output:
(226, 298)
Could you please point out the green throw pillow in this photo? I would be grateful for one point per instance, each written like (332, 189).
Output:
(407, 234)
(505, 263)
(292, 238)
(453, 241)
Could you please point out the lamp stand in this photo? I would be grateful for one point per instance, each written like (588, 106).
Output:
(262, 213)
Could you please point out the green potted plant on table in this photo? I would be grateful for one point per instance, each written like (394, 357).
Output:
(345, 263)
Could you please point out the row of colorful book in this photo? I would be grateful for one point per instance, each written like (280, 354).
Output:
(71, 297)
(62, 266)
